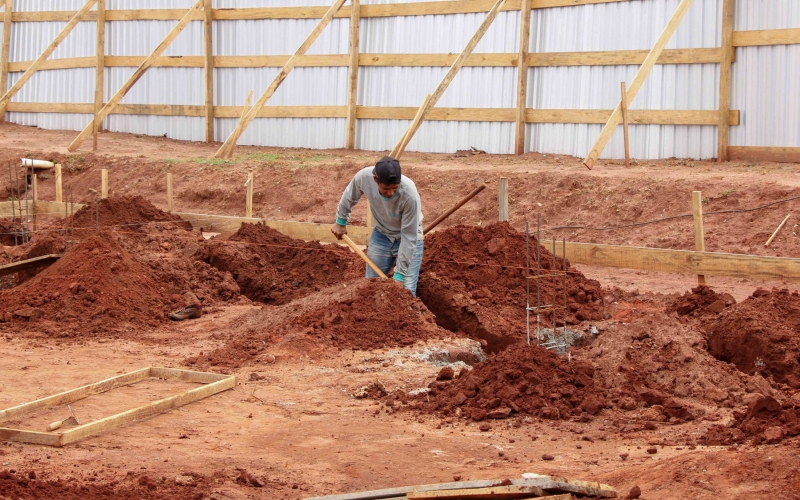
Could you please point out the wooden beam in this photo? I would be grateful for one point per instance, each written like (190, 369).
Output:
(756, 153)
(6, 50)
(492, 493)
(170, 205)
(624, 107)
(59, 184)
(24, 265)
(100, 68)
(756, 38)
(522, 75)
(502, 200)
(208, 52)
(6, 98)
(352, 91)
(432, 99)
(227, 149)
(682, 261)
(699, 234)
(137, 74)
(32, 437)
(186, 375)
(637, 82)
(723, 134)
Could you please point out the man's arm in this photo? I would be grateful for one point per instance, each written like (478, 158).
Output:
(408, 238)
(352, 193)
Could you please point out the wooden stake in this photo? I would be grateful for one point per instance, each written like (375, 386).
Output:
(728, 7)
(637, 82)
(502, 199)
(431, 101)
(522, 74)
(249, 184)
(226, 151)
(624, 106)
(170, 205)
(99, 69)
(59, 182)
(5, 52)
(363, 256)
(699, 237)
(104, 183)
(776, 231)
(208, 49)
(140, 71)
(352, 95)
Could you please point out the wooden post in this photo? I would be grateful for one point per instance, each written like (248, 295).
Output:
(5, 53)
(352, 95)
(35, 198)
(146, 64)
(522, 74)
(249, 184)
(728, 8)
(99, 69)
(699, 238)
(169, 192)
(44, 55)
(226, 151)
(624, 106)
(104, 183)
(59, 181)
(502, 198)
(637, 82)
(208, 45)
(370, 221)
(432, 99)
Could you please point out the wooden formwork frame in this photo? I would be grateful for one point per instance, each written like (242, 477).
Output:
(213, 384)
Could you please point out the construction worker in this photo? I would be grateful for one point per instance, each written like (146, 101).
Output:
(396, 239)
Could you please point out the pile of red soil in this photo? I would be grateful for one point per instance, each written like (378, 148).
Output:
(760, 335)
(522, 379)
(702, 300)
(97, 285)
(7, 229)
(765, 421)
(473, 280)
(47, 242)
(275, 269)
(123, 213)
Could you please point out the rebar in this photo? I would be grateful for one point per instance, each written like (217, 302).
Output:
(96, 212)
(27, 213)
(19, 198)
(527, 283)
(564, 268)
(13, 212)
(538, 276)
(555, 284)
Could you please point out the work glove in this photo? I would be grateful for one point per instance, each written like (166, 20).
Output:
(398, 277)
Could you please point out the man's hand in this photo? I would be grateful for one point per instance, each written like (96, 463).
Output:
(398, 277)
(338, 230)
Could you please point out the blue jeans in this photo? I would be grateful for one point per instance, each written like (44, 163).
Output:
(384, 254)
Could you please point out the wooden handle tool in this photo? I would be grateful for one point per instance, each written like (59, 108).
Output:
(363, 256)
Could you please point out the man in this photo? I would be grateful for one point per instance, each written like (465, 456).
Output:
(396, 239)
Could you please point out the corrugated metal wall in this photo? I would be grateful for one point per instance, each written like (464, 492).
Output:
(765, 87)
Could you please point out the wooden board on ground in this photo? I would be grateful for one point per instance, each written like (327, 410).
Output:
(495, 492)
(213, 384)
(24, 265)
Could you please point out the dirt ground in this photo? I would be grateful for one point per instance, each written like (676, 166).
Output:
(331, 398)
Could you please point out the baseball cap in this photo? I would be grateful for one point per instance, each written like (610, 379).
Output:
(387, 170)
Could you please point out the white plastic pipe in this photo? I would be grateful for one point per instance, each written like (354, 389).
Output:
(27, 162)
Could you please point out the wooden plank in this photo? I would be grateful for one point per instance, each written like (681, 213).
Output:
(522, 76)
(623, 57)
(104, 183)
(637, 82)
(146, 411)
(756, 153)
(24, 265)
(99, 69)
(627, 142)
(73, 395)
(170, 204)
(6, 98)
(699, 235)
(352, 90)
(682, 261)
(137, 74)
(187, 375)
(32, 437)
(227, 148)
(502, 200)
(755, 38)
(216, 223)
(208, 53)
(4, 54)
(509, 492)
(723, 132)
(431, 100)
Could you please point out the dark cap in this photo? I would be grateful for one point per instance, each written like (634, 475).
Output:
(387, 170)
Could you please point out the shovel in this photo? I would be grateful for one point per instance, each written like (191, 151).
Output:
(58, 423)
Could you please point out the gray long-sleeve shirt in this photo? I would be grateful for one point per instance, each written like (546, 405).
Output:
(398, 217)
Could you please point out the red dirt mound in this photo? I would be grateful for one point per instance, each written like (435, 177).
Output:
(473, 280)
(522, 379)
(275, 269)
(7, 229)
(96, 285)
(760, 335)
(124, 213)
(765, 421)
(42, 243)
(702, 300)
